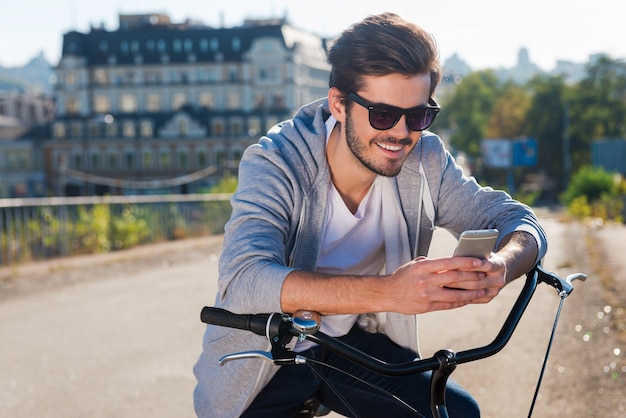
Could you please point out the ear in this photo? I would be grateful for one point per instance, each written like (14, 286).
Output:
(335, 103)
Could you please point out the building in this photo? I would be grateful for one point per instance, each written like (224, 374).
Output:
(24, 109)
(156, 106)
(21, 173)
(23, 117)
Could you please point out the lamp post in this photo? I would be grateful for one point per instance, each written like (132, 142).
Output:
(567, 158)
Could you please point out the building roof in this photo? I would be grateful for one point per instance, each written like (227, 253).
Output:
(152, 38)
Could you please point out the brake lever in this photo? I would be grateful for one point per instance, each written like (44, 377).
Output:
(290, 358)
(563, 286)
(263, 355)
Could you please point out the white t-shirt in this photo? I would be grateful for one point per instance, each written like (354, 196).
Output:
(351, 244)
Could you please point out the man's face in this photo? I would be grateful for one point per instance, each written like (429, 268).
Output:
(384, 151)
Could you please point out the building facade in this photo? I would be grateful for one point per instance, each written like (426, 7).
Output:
(156, 106)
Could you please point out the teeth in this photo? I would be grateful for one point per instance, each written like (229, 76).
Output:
(390, 147)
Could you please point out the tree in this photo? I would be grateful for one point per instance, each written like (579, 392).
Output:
(468, 111)
(508, 117)
(546, 122)
(598, 108)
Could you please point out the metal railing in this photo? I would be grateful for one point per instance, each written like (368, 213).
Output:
(43, 228)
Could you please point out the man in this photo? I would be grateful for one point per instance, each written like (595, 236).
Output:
(333, 214)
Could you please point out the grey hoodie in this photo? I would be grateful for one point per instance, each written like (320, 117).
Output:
(276, 226)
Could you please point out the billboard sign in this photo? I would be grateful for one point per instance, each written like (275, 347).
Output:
(507, 153)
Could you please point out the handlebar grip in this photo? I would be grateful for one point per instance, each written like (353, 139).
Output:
(257, 323)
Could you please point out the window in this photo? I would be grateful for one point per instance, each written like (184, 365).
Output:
(182, 127)
(270, 122)
(77, 161)
(178, 100)
(232, 74)
(204, 45)
(207, 100)
(130, 160)
(233, 100)
(103, 46)
(153, 77)
(101, 77)
(128, 103)
(161, 45)
(146, 159)
(215, 44)
(94, 130)
(268, 74)
(164, 159)
(124, 47)
(129, 129)
(188, 45)
(146, 128)
(95, 161)
(237, 156)
(112, 163)
(72, 106)
(177, 44)
(153, 102)
(183, 159)
(111, 130)
(76, 130)
(202, 158)
(236, 44)
(101, 104)
(220, 158)
(218, 127)
(259, 101)
(236, 127)
(150, 45)
(59, 130)
(254, 126)
(70, 78)
(278, 101)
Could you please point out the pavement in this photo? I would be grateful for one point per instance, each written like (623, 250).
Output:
(116, 335)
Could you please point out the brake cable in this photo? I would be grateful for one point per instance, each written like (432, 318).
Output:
(564, 290)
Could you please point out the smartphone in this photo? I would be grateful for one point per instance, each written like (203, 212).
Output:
(476, 243)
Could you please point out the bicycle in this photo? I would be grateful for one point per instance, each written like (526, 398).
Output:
(280, 329)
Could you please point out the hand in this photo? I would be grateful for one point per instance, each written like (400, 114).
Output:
(492, 282)
(425, 285)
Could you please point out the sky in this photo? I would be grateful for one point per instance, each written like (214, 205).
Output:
(484, 33)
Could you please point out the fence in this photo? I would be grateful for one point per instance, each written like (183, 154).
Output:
(42, 228)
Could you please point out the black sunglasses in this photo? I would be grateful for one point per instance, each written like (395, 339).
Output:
(384, 116)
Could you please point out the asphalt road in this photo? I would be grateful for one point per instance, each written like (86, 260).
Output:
(116, 335)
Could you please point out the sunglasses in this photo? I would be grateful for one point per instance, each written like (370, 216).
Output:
(383, 116)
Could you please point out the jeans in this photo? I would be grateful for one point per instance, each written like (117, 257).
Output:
(293, 385)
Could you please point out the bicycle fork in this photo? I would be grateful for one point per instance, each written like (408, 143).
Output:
(438, 381)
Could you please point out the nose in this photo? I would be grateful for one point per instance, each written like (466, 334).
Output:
(400, 129)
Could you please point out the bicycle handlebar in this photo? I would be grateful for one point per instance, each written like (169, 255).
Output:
(269, 325)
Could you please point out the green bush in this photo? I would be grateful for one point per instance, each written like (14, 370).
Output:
(129, 228)
(594, 192)
(592, 182)
(92, 228)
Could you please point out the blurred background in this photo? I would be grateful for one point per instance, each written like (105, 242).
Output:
(122, 125)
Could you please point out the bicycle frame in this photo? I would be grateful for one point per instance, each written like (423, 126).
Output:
(280, 330)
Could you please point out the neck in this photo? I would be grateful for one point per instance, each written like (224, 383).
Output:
(351, 179)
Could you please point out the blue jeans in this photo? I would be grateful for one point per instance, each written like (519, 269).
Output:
(293, 385)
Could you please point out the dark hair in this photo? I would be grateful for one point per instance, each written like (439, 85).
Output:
(381, 45)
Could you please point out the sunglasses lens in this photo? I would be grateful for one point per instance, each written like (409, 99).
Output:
(420, 119)
(383, 117)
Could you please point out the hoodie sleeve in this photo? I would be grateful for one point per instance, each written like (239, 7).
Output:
(462, 204)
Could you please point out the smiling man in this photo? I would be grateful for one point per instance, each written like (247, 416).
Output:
(334, 212)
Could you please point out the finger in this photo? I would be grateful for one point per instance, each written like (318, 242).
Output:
(452, 263)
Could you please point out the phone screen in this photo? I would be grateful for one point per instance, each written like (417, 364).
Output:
(476, 243)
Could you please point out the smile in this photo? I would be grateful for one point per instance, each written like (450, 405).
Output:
(390, 147)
